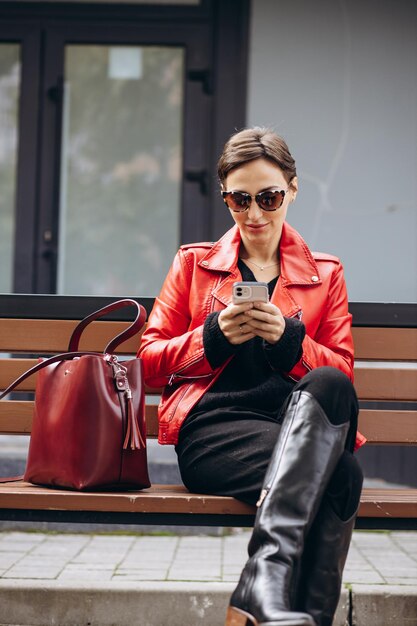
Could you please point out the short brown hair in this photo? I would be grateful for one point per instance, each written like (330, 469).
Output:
(255, 143)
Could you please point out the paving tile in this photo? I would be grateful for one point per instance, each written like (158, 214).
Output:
(154, 571)
(20, 542)
(96, 576)
(23, 537)
(35, 573)
(402, 581)
(138, 576)
(81, 567)
(7, 559)
(401, 572)
(64, 550)
(368, 577)
(94, 556)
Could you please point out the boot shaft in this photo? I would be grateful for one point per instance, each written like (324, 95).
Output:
(302, 463)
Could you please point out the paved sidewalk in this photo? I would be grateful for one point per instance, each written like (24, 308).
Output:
(77, 579)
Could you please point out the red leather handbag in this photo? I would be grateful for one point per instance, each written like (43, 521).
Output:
(89, 430)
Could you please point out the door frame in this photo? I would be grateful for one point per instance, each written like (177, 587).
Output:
(27, 174)
(223, 81)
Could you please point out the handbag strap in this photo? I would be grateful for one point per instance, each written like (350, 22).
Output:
(134, 328)
(73, 351)
(65, 356)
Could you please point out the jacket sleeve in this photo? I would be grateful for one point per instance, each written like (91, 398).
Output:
(169, 348)
(332, 343)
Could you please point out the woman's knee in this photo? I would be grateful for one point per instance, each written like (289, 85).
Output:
(333, 391)
(325, 379)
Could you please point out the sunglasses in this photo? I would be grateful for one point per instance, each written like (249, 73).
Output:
(240, 201)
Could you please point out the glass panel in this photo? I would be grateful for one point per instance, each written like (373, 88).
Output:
(9, 105)
(121, 168)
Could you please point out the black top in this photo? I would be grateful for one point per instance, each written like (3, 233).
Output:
(255, 378)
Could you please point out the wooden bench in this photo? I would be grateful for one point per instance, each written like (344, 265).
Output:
(385, 378)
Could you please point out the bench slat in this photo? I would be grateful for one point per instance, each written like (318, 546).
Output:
(176, 499)
(40, 336)
(16, 418)
(385, 383)
(52, 336)
(380, 344)
(387, 503)
(11, 369)
(388, 427)
(382, 383)
(159, 498)
(380, 427)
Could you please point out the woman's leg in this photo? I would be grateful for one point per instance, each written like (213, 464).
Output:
(227, 453)
(315, 427)
(337, 397)
(328, 541)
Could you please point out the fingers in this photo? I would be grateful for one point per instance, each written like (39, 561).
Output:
(243, 334)
(232, 323)
(242, 322)
(266, 321)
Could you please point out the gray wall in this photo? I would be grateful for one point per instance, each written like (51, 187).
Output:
(338, 79)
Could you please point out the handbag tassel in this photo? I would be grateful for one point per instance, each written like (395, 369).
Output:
(133, 438)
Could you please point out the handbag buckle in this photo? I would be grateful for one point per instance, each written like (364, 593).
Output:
(119, 375)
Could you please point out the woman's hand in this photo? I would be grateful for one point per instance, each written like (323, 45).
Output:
(233, 323)
(266, 321)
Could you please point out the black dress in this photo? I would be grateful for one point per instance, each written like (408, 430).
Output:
(227, 439)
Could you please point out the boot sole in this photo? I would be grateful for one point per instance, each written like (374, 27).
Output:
(238, 617)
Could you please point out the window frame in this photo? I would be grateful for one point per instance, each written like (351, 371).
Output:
(42, 29)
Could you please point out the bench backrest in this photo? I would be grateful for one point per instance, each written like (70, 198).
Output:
(385, 359)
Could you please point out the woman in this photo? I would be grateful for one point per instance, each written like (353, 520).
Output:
(258, 397)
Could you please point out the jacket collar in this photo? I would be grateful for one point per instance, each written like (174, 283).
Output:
(224, 255)
(298, 266)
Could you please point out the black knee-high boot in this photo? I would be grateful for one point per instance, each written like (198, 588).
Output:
(327, 546)
(301, 465)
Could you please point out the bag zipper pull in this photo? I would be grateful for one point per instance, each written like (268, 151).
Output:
(133, 438)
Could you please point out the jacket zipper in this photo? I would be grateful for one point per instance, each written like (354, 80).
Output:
(175, 375)
(172, 413)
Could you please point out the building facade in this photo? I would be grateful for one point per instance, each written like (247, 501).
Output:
(113, 114)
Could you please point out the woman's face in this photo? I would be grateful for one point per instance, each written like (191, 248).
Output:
(258, 227)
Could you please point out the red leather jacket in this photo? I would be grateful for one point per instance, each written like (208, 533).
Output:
(311, 287)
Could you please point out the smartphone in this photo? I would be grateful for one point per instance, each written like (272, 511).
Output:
(249, 291)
